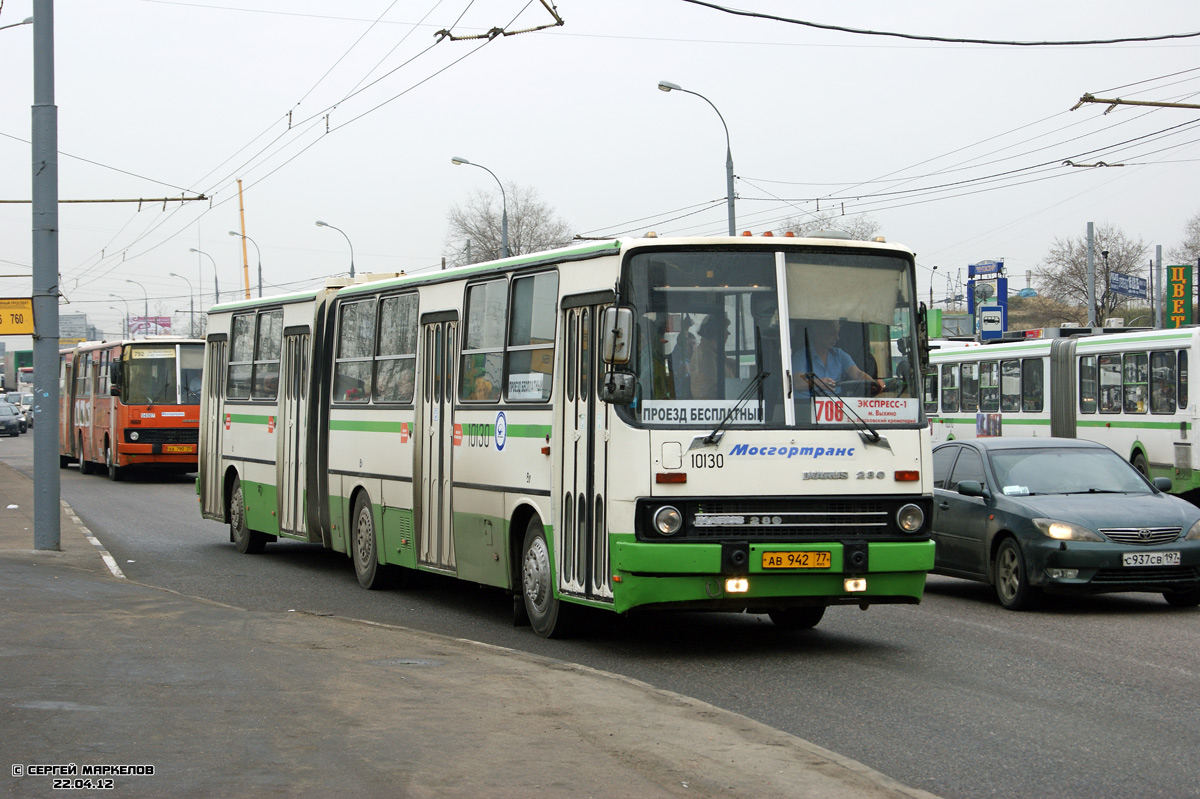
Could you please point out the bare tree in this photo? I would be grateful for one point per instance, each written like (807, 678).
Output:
(532, 225)
(1062, 276)
(860, 227)
(1188, 251)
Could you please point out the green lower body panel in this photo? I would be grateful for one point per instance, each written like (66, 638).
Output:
(690, 576)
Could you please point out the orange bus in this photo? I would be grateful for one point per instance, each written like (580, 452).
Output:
(128, 404)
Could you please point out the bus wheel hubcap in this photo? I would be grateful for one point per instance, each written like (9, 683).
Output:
(537, 574)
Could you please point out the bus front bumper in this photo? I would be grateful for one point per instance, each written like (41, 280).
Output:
(692, 576)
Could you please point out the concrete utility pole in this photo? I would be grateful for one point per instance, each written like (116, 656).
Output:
(46, 482)
(1091, 275)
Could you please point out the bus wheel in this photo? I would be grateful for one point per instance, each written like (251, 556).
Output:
(1011, 578)
(85, 466)
(549, 617)
(1139, 463)
(1183, 599)
(804, 618)
(364, 551)
(248, 542)
(110, 460)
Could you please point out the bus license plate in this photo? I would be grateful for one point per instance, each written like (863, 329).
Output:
(797, 560)
(177, 448)
(1150, 559)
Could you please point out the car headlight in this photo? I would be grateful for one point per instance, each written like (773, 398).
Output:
(668, 520)
(1194, 533)
(1065, 531)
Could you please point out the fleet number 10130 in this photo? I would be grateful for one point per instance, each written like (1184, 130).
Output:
(708, 460)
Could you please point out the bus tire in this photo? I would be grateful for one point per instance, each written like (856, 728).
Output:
(85, 466)
(364, 550)
(802, 618)
(1183, 599)
(549, 617)
(1139, 463)
(1010, 577)
(110, 460)
(247, 541)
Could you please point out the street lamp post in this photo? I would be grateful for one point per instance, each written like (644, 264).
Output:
(667, 86)
(146, 295)
(339, 230)
(124, 322)
(503, 202)
(122, 299)
(216, 286)
(252, 241)
(931, 277)
(191, 303)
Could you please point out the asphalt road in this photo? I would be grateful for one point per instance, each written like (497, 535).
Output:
(1087, 698)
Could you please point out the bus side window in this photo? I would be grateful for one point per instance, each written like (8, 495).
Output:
(481, 367)
(1136, 382)
(1087, 384)
(1110, 383)
(1181, 396)
(1032, 396)
(1010, 386)
(970, 387)
(949, 388)
(1162, 385)
(931, 392)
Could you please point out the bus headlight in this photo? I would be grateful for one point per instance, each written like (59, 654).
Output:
(668, 520)
(910, 518)
(133, 435)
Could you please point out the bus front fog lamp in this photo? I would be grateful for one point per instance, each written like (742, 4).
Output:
(910, 518)
(668, 520)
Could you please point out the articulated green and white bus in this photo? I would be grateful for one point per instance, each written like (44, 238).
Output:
(1127, 390)
(623, 425)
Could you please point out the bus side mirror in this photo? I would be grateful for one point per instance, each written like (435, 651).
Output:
(116, 375)
(617, 333)
(922, 338)
(617, 388)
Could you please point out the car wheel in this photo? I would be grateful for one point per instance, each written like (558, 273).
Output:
(1011, 578)
(247, 541)
(549, 617)
(1183, 599)
(364, 550)
(804, 618)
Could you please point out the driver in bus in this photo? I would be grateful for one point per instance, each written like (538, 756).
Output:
(831, 366)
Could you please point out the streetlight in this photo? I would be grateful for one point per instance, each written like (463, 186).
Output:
(191, 303)
(931, 277)
(339, 230)
(146, 313)
(216, 287)
(26, 21)
(252, 241)
(667, 86)
(125, 326)
(503, 202)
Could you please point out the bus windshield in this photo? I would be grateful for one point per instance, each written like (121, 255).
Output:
(163, 374)
(800, 338)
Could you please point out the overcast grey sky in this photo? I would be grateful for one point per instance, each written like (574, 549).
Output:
(349, 113)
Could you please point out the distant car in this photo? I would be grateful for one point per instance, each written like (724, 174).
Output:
(27, 407)
(1052, 515)
(12, 421)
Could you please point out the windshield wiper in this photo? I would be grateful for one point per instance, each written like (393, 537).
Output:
(718, 432)
(1097, 491)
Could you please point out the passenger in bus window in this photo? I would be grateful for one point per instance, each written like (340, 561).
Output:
(710, 366)
(830, 365)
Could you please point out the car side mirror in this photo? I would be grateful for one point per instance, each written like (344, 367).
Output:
(973, 488)
(1163, 484)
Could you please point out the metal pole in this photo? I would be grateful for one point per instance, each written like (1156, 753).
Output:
(457, 161)
(1091, 276)
(44, 115)
(667, 86)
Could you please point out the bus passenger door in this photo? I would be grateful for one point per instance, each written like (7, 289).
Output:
(582, 531)
(292, 430)
(212, 426)
(435, 542)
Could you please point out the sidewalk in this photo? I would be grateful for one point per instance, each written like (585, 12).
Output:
(99, 671)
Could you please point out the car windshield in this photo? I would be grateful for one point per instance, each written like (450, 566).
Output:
(1021, 472)
(7, 410)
